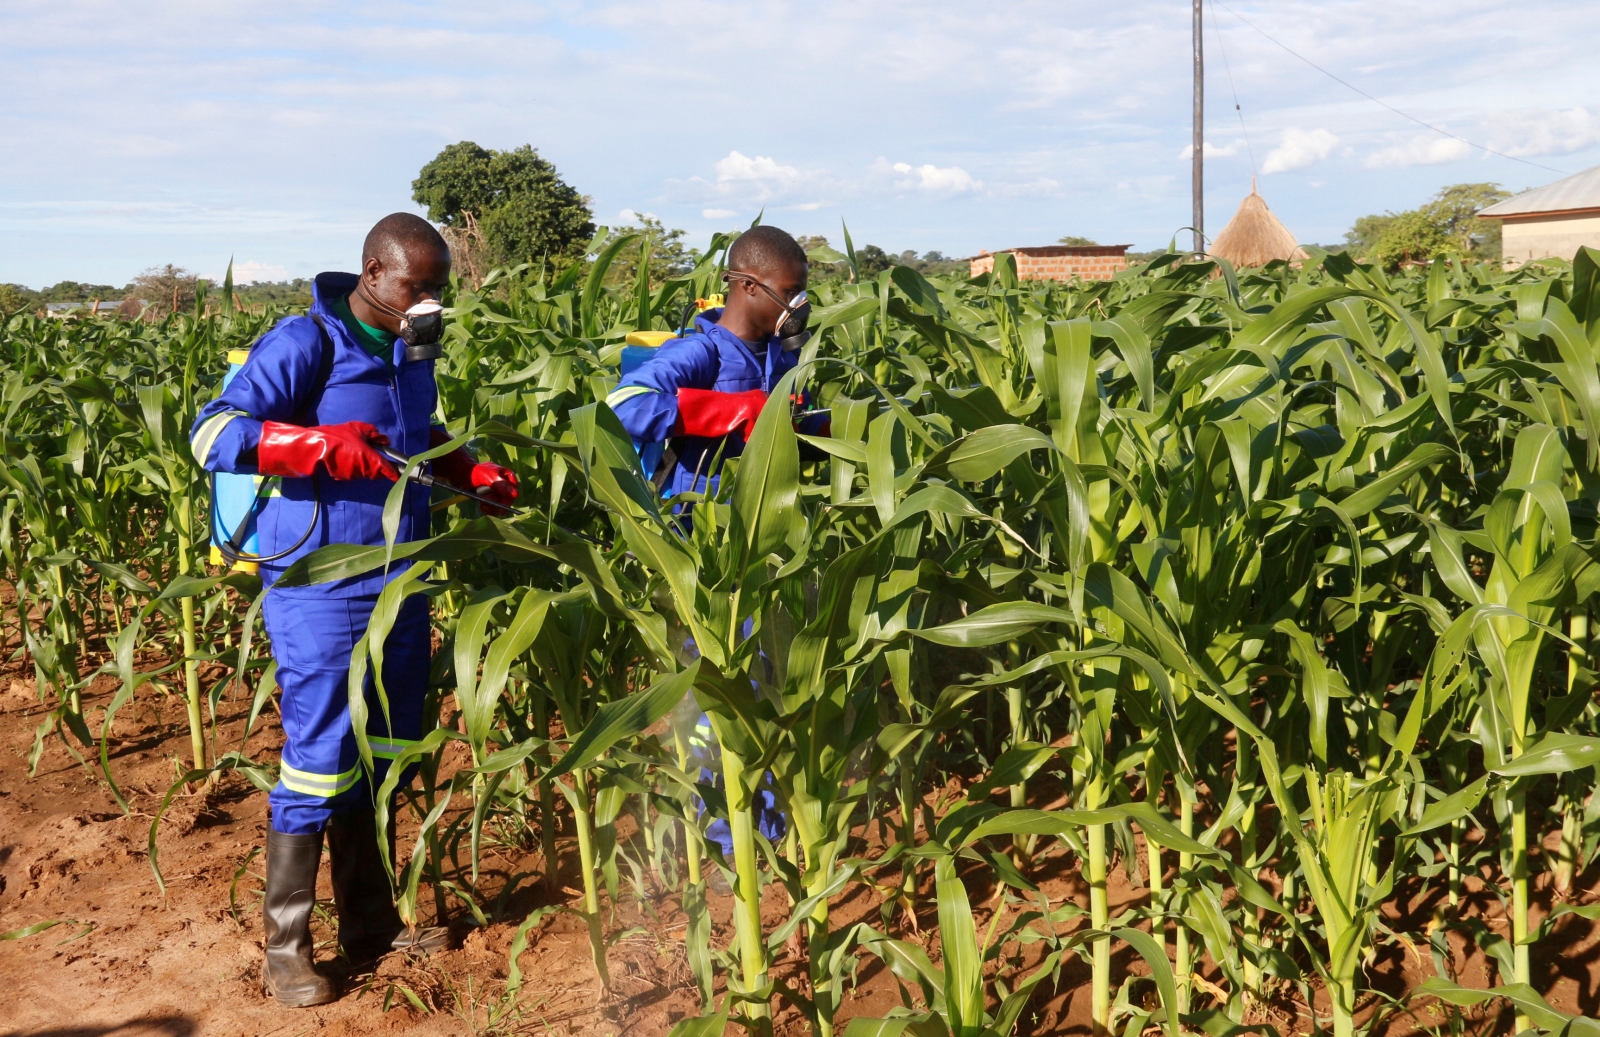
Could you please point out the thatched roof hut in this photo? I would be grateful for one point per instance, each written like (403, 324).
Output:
(1254, 237)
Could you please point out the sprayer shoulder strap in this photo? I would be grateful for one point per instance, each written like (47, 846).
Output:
(324, 371)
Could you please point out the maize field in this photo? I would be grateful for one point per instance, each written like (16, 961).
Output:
(1270, 588)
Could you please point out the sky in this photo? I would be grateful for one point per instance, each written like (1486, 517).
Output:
(146, 133)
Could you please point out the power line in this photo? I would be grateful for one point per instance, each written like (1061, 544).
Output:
(1217, 29)
(1385, 104)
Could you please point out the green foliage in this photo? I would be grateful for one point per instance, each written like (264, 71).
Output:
(525, 210)
(295, 293)
(1363, 235)
(1409, 237)
(1073, 239)
(1455, 209)
(668, 256)
(1448, 222)
(166, 289)
(1289, 572)
(14, 297)
(872, 261)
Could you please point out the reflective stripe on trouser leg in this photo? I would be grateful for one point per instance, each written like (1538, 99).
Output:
(312, 638)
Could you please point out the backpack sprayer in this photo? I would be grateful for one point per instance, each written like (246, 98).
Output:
(234, 501)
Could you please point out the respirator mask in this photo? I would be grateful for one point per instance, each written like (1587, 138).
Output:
(421, 326)
(791, 327)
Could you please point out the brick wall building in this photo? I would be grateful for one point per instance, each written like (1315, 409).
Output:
(1060, 262)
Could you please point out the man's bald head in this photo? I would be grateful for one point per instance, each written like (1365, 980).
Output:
(400, 240)
(404, 261)
(767, 251)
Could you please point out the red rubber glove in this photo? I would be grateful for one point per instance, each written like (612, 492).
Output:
(344, 451)
(703, 412)
(459, 469)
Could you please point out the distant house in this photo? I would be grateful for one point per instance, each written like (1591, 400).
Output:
(1549, 221)
(95, 308)
(1060, 262)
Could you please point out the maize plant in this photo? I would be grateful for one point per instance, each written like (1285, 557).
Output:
(1286, 573)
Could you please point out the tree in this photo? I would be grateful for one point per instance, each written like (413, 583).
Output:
(669, 257)
(14, 297)
(1414, 236)
(1447, 221)
(167, 289)
(872, 261)
(524, 209)
(1364, 233)
(1455, 210)
(1073, 239)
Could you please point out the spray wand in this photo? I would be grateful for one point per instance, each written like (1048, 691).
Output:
(422, 478)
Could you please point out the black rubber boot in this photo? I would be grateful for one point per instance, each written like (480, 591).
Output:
(369, 925)
(288, 975)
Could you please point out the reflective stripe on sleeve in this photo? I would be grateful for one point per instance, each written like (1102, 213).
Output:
(205, 437)
(323, 786)
(624, 393)
(389, 748)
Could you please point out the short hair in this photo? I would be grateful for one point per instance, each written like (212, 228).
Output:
(397, 236)
(764, 249)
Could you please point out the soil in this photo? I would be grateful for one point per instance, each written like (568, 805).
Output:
(127, 960)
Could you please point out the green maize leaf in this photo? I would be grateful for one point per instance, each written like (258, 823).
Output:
(1155, 955)
(519, 944)
(839, 448)
(1451, 808)
(963, 958)
(765, 494)
(593, 283)
(1375, 492)
(994, 624)
(1524, 997)
(1555, 753)
(923, 1024)
(1217, 1023)
(31, 930)
(624, 718)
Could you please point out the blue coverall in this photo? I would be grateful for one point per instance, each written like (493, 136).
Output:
(314, 628)
(709, 357)
(646, 402)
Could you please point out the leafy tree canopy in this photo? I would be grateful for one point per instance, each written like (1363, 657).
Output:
(669, 256)
(1446, 222)
(523, 208)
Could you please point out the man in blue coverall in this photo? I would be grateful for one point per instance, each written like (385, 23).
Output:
(702, 392)
(309, 410)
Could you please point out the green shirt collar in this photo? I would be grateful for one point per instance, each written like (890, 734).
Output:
(376, 341)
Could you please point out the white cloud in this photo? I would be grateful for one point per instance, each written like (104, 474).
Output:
(1039, 187)
(629, 216)
(928, 178)
(1424, 150)
(1299, 149)
(717, 214)
(738, 166)
(251, 271)
(1050, 108)
(1210, 150)
(1534, 132)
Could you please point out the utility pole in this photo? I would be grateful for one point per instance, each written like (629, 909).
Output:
(1198, 222)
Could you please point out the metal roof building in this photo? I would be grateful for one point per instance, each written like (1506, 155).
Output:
(1553, 220)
